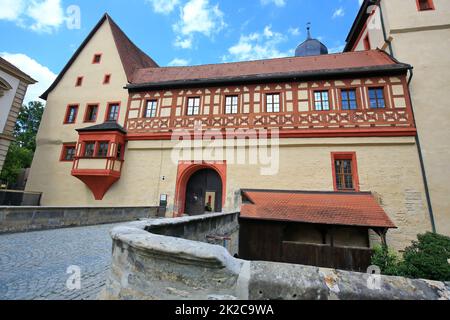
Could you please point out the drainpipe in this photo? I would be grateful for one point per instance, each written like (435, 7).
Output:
(386, 40)
(422, 164)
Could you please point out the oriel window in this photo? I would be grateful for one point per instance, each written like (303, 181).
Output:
(102, 151)
(89, 148)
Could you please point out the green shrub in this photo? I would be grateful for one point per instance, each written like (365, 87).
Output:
(427, 258)
(387, 260)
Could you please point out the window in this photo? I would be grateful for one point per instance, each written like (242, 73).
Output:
(102, 151)
(119, 151)
(71, 114)
(107, 79)
(113, 112)
(376, 97)
(231, 104)
(68, 152)
(193, 106)
(150, 109)
(91, 113)
(345, 173)
(349, 100)
(79, 82)
(97, 58)
(367, 42)
(89, 148)
(423, 5)
(273, 102)
(321, 102)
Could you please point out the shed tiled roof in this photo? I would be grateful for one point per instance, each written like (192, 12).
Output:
(322, 64)
(106, 126)
(331, 208)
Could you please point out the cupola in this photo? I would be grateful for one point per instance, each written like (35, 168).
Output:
(310, 47)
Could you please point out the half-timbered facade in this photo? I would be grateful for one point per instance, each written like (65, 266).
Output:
(337, 124)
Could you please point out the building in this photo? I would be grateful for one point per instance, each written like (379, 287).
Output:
(339, 125)
(416, 31)
(13, 87)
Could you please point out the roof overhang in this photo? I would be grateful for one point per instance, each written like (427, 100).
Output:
(392, 69)
(354, 209)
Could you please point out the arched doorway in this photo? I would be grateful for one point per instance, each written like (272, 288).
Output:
(203, 192)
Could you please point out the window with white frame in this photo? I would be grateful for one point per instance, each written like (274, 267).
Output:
(231, 104)
(193, 108)
(273, 102)
(321, 101)
(150, 110)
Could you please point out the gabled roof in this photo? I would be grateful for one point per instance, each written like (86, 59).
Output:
(106, 126)
(330, 208)
(362, 62)
(358, 24)
(12, 69)
(131, 56)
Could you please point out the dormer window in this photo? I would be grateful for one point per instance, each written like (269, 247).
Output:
(424, 5)
(97, 58)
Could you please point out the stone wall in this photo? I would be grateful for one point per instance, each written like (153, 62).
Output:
(146, 265)
(22, 219)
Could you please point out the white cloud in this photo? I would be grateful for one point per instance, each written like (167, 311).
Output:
(278, 3)
(256, 46)
(339, 12)
(34, 69)
(197, 16)
(294, 31)
(163, 6)
(177, 62)
(37, 15)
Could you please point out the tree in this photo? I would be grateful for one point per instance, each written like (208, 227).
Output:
(27, 124)
(21, 151)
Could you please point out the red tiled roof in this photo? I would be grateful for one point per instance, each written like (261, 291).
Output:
(294, 65)
(358, 209)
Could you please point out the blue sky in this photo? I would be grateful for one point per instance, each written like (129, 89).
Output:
(40, 36)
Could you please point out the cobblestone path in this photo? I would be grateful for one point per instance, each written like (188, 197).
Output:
(34, 265)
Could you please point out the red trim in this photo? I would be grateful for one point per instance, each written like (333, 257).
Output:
(363, 29)
(64, 148)
(108, 105)
(345, 156)
(185, 170)
(86, 112)
(385, 132)
(366, 40)
(96, 55)
(430, 5)
(107, 78)
(67, 113)
(79, 82)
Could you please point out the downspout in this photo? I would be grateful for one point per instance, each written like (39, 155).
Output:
(386, 40)
(422, 164)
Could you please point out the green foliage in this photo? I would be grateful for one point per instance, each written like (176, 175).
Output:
(387, 260)
(27, 124)
(426, 258)
(21, 151)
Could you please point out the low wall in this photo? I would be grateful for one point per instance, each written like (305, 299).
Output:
(146, 265)
(22, 219)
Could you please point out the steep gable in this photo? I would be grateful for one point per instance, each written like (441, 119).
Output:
(131, 56)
